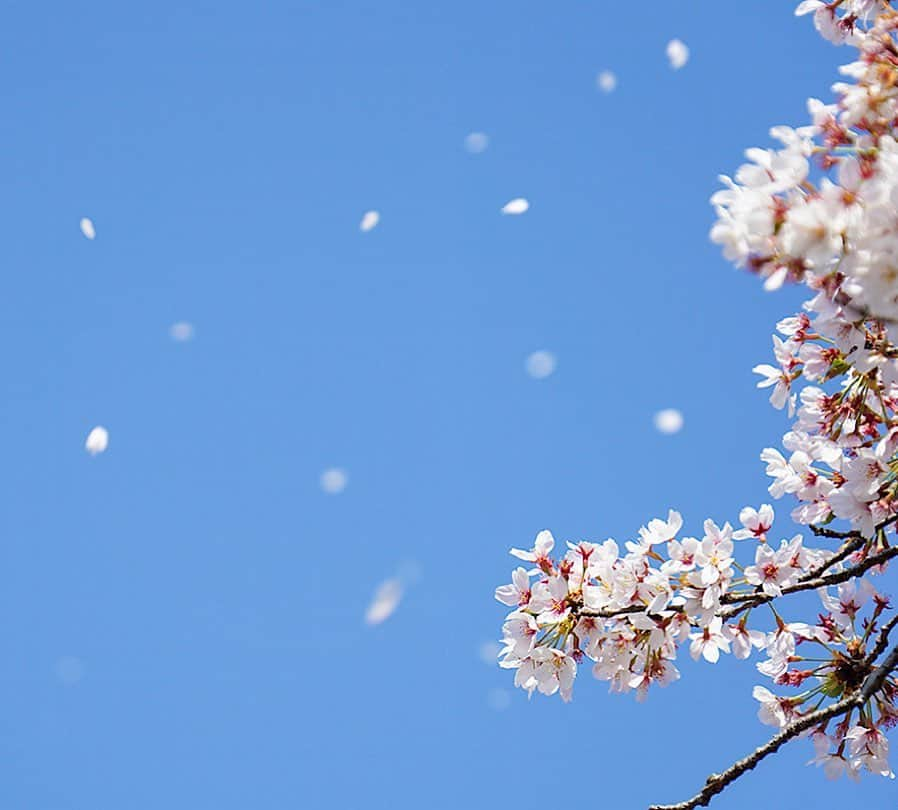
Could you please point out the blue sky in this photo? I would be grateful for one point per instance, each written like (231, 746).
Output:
(183, 614)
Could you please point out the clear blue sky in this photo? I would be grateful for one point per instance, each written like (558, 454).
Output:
(211, 595)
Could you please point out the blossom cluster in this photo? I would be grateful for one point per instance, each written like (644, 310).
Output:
(627, 611)
(820, 210)
(837, 233)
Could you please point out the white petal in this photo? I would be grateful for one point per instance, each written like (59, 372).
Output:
(385, 601)
(97, 440)
(541, 364)
(606, 81)
(677, 53)
(518, 205)
(334, 480)
(369, 221)
(181, 331)
(477, 142)
(807, 6)
(489, 652)
(711, 653)
(498, 700)
(669, 421)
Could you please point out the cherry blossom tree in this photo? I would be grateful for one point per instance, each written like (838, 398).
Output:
(820, 210)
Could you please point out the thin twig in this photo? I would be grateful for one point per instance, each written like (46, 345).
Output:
(744, 601)
(821, 531)
(752, 600)
(811, 580)
(846, 550)
(718, 781)
(855, 541)
(883, 641)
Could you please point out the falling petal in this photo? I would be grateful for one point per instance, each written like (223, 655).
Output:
(516, 206)
(385, 601)
(541, 364)
(181, 331)
(69, 670)
(606, 81)
(97, 440)
(477, 142)
(669, 420)
(334, 481)
(498, 699)
(489, 652)
(87, 228)
(677, 53)
(369, 221)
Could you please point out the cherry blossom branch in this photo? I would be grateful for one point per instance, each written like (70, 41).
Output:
(847, 549)
(836, 368)
(810, 581)
(854, 541)
(823, 531)
(813, 581)
(878, 677)
(716, 782)
(742, 602)
(883, 640)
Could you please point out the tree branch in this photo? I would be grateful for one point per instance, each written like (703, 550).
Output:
(821, 531)
(752, 600)
(810, 582)
(883, 641)
(846, 550)
(718, 781)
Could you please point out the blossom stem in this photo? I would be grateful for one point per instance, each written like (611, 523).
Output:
(716, 782)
